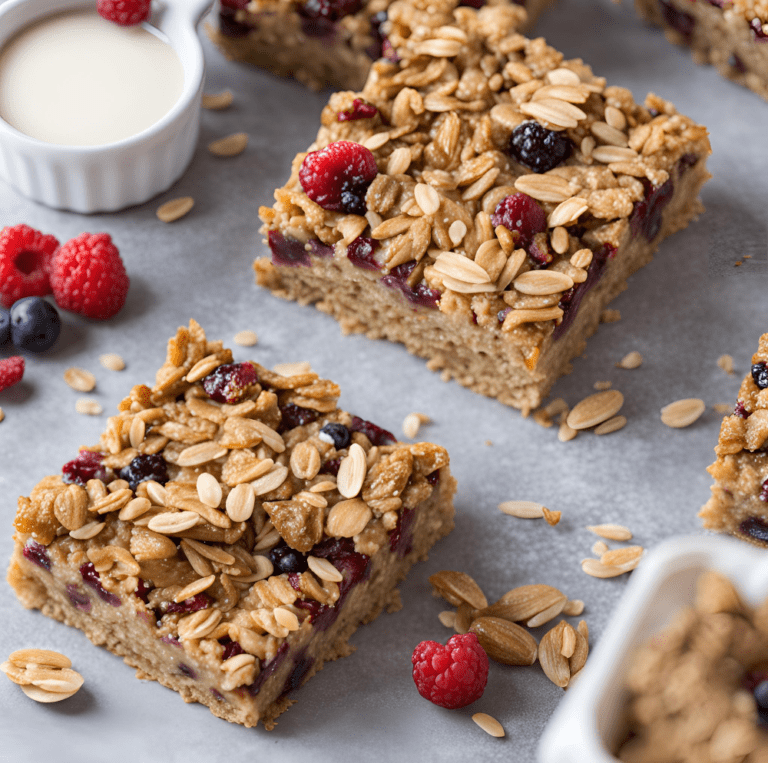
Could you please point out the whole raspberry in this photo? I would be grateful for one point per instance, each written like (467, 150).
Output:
(124, 12)
(11, 371)
(337, 177)
(25, 261)
(520, 214)
(453, 675)
(88, 276)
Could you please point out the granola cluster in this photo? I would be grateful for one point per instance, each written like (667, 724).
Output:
(199, 477)
(748, 9)
(690, 687)
(462, 82)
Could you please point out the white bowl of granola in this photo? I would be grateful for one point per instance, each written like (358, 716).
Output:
(123, 172)
(590, 723)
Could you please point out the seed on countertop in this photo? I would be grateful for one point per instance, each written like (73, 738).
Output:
(79, 379)
(682, 413)
(231, 145)
(88, 407)
(631, 360)
(551, 517)
(611, 531)
(217, 101)
(175, 209)
(595, 409)
(522, 509)
(488, 724)
(246, 338)
(112, 361)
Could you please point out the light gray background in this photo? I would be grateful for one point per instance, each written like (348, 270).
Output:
(681, 312)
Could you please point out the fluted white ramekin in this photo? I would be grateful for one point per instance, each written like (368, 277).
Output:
(587, 724)
(127, 172)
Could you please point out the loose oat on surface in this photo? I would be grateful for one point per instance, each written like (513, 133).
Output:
(112, 361)
(175, 209)
(231, 145)
(217, 101)
(79, 379)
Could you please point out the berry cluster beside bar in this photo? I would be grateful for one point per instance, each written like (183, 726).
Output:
(739, 502)
(481, 200)
(321, 42)
(732, 35)
(231, 530)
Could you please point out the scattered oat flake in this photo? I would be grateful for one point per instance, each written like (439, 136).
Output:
(175, 209)
(80, 379)
(489, 443)
(597, 569)
(542, 418)
(723, 408)
(112, 361)
(619, 556)
(602, 385)
(88, 407)
(682, 413)
(217, 101)
(412, 423)
(631, 360)
(522, 509)
(610, 316)
(611, 531)
(726, 363)
(246, 338)
(599, 547)
(232, 145)
(573, 608)
(551, 517)
(595, 409)
(566, 433)
(488, 724)
(612, 425)
(447, 618)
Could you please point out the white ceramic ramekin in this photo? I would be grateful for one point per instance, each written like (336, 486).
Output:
(587, 724)
(117, 175)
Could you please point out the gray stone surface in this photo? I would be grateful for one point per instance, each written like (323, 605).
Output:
(681, 312)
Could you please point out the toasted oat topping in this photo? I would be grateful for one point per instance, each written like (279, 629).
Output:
(464, 80)
(187, 496)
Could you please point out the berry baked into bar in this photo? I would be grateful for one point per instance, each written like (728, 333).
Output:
(481, 200)
(231, 530)
(320, 42)
(739, 502)
(732, 35)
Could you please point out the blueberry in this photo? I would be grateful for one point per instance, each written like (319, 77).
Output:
(35, 324)
(760, 375)
(145, 467)
(538, 148)
(286, 559)
(337, 434)
(5, 326)
(761, 695)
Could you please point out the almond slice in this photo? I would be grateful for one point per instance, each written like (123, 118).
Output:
(522, 509)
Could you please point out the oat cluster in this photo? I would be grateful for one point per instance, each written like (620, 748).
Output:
(688, 696)
(465, 79)
(242, 478)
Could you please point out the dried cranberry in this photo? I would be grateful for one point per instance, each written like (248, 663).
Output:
(329, 10)
(78, 599)
(319, 249)
(376, 50)
(757, 30)
(335, 434)
(331, 466)
(502, 314)
(647, 215)
(185, 670)
(360, 110)
(231, 648)
(218, 695)
(295, 416)
(764, 492)
(736, 63)
(375, 434)
(145, 467)
(537, 148)
(302, 665)
(361, 253)
(420, 294)
(740, 410)
(37, 554)
(287, 252)
(520, 214)
(192, 604)
(434, 477)
(401, 538)
(760, 374)
(755, 528)
(268, 668)
(91, 578)
(86, 466)
(337, 176)
(286, 559)
(142, 590)
(341, 553)
(228, 23)
(679, 20)
(538, 251)
(229, 383)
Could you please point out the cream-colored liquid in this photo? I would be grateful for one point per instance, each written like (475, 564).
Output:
(78, 80)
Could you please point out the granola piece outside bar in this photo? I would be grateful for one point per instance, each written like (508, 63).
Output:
(739, 502)
(441, 137)
(175, 575)
(732, 36)
(336, 47)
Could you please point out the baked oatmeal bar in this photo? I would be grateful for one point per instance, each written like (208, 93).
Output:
(481, 200)
(231, 529)
(320, 42)
(739, 502)
(732, 35)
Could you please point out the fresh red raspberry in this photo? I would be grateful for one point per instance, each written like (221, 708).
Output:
(25, 261)
(520, 214)
(453, 675)
(124, 12)
(11, 371)
(337, 176)
(88, 276)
